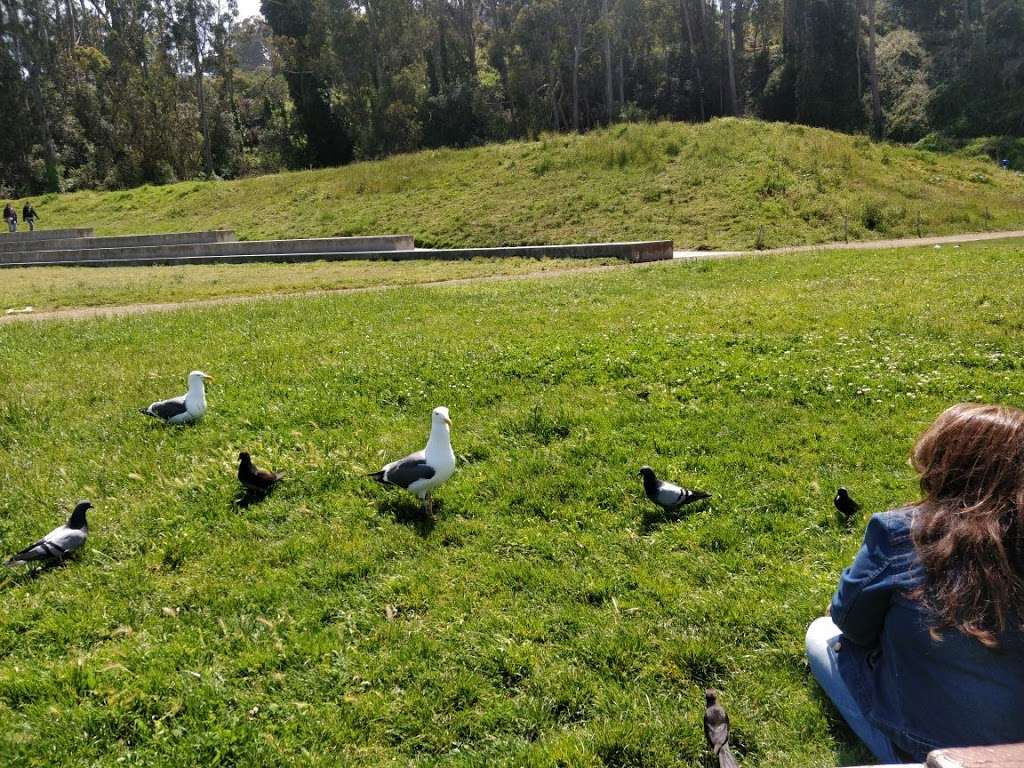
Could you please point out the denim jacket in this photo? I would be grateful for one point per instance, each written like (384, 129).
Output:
(922, 693)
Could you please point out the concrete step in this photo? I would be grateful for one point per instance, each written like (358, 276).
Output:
(632, 252)
(1004, 756)
(195, 252)
(122, 241)
(40, 234)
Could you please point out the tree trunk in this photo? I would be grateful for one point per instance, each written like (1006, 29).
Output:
(555, 122)
(576, 84)
(609, 97)
(694, 60)
(877, 121)
(730, 61)
(204, 121)
(27, 55)
(622, 81)
(860, 67)
(469, 19)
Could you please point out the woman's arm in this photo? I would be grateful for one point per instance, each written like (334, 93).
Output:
(866, 587)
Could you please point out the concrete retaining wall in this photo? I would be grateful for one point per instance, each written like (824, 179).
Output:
(40, 234)
(633, 252)
(197, 252)
(123, 241)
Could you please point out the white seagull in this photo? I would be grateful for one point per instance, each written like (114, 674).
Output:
(58, 543)
(423, 471)
(188, 408)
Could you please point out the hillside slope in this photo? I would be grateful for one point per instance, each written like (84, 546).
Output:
(725, 184)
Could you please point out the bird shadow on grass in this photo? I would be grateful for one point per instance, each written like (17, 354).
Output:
(248, 497)
(408, 512)
(12, 579)
(653, 519)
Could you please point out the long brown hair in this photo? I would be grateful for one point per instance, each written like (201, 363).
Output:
(969, 528)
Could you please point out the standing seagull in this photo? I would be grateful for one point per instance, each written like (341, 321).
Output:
(716, 730)
(188, 408)
(845, 504)
(668, 496)
(58, 543)
(255, 480)
(423, 471)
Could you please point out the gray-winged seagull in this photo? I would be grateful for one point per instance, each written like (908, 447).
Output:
(423, 471)
(186, 409)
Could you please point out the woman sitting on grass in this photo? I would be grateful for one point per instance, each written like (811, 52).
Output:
(925, 644)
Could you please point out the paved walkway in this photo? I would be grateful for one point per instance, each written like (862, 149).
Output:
(85, 313)
(860, 245)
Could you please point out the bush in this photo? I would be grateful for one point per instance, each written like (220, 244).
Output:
(872, 216)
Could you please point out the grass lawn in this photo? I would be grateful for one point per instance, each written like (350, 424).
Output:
(56, 287)
(545, 617)
(724, 184)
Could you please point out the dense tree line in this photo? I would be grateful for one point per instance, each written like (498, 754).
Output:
(113, 93)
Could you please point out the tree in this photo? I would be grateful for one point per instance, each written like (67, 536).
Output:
(877, 122)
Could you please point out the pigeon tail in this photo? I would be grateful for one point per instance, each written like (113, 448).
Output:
(725, 758)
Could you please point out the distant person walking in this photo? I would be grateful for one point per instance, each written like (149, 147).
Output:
(29, 216)
(11, 217)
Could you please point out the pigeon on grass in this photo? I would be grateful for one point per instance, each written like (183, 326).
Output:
(716, 730)
(59, 543)
(255, 480)
(668, 496)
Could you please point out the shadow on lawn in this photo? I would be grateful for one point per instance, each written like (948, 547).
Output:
(248, 497)
(10, 578)
(408, 511)
(655, 518)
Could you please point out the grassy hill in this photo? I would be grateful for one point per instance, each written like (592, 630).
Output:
(725, 184)
(547, 616)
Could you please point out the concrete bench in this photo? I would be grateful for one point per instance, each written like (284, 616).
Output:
(173, 253)
(42, 234)
(271, 251)
(122, 241)
(1005, 756)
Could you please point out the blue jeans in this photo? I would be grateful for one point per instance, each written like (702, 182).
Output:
(822, 637)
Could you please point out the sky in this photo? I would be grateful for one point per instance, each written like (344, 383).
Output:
(247, 8)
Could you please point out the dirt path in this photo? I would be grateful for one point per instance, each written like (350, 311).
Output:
(860, 245)
(120, 310)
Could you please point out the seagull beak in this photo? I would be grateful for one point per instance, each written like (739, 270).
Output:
(207, 378)
(447, 421)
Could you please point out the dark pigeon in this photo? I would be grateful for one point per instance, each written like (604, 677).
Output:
(668, 496)
(55, 546)
(716, 730)
(845, 505)
(254, 479)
